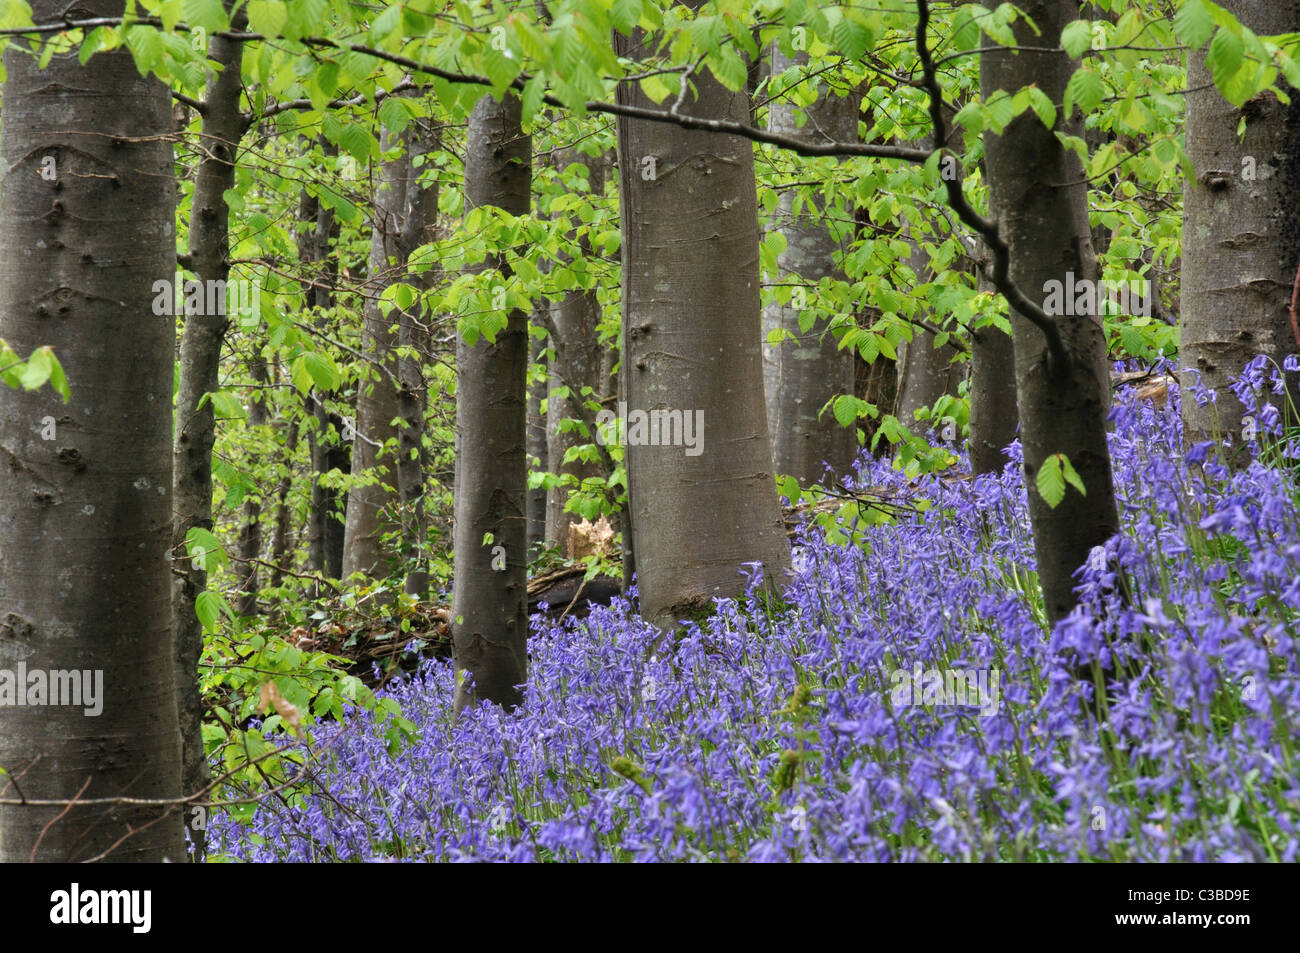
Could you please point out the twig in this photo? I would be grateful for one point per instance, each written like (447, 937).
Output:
(988, 229)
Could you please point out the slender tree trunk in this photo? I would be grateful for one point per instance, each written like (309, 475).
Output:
(925, 372)
(539, 458)
(489, 599)
(579, 362)
(1241, 244)
(250, 537)
(692, 332)
(419, 222)
(994, 416)
(807, 369)
(200, 360)
(377, 400)
(1039, 198)
(327, 447)
(280, 552)
(84, 486)
(928, 373)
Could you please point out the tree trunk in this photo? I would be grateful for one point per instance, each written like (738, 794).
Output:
(84, 496)
(539, 458)
(994, 416)
(1241, 243)
(250, 537)
(692, 343)
(490, 625)
(281, 555)
(579, 362)
(927, 373)
(327, 447)
(377, 400)
(1039, 198)
(200, 360)
(804, 371)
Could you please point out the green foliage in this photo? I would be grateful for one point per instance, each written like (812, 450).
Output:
(1053, 475)
(40, 368)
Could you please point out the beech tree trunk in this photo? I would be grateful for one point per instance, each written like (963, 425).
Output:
(250, 537)
(399, 228)
(538, 441)
(994, 416)
(489, 598)
(804, 371)
(692, 333)
(1038, 199)
(85, 507)
(327, 447)
(925, 372)
(1241, 239)
(579, 362)
(200, 360)
(281, 555)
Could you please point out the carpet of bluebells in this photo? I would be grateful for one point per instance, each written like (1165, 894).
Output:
(770, 730)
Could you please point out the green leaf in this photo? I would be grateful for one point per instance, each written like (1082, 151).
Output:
(1084, 90)
(531, 100)
(58, 380)
(848, 409)
(1077, 37)
(322, 370)
(1193, 23)
(226, 406)
(208, 608)
(729, 68)
(1053, 475)
(1050, 482)
(655, 88)
(851, 38)
(208, 14)
(146, 47)
(37, 370)
(1041, 103)
(267, 17)
(356, 140)
(15, 13)
(1224, 56)
(205, 547)
(624, 14)
(394, 114)
(1071, 475)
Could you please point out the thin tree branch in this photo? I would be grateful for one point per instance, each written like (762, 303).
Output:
(987, 228)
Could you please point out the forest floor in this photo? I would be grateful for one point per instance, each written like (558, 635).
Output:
(904, 700)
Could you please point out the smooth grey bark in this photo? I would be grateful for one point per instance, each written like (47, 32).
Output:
(412, 395)
(579, 362)
(201, 341)
(280, 553)
(1241, 234)
(488, 609)
(1039, 201)
(807, 369)
(692, 342)
(327, 449)
(538, 443)
(250, 535)
(927, 373)
(398, 229)
(85, 508)
(994, 416)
